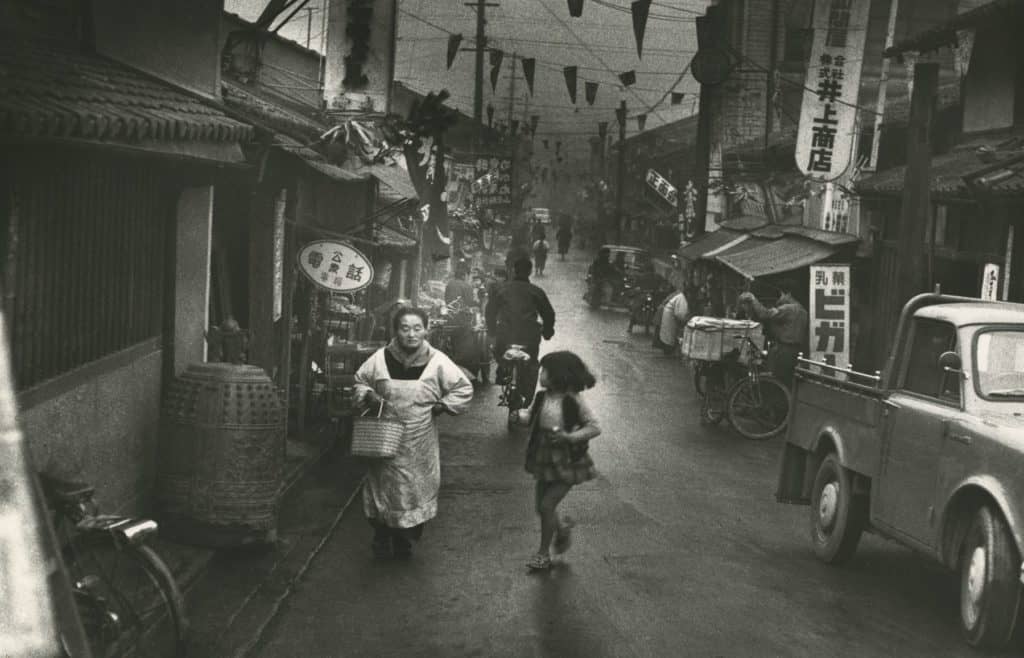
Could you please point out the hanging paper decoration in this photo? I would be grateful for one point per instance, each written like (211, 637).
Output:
(454, 41)
(677, 97)
(515, 126)
(640, 9)
(490, 115)
(602, 130)
(534, 120)
(496, 57)
(590, 89)
(570, 82)
(641, 121)
(628, 78)
(529, 64)
(575, 8)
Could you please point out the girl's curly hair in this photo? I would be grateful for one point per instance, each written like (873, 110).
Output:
(567, 372)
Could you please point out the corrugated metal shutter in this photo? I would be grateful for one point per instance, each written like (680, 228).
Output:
(89, 262)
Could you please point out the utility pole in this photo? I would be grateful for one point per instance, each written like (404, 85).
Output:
(309, 24)
(883, 84)
(512, 93)
(622, 171)
(481, 47)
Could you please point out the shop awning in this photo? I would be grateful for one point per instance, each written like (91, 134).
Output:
(708, 242)
(393, 176)
(315, 160)
(787, 253)
(55, 93)
(387, 237)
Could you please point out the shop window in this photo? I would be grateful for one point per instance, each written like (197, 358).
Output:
(87, 276)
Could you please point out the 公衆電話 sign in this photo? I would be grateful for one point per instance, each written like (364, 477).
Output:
(335, 266)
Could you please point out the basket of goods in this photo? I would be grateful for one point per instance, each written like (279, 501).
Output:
(376, 436)
(714, 339)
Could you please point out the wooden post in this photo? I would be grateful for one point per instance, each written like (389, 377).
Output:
(916, 207)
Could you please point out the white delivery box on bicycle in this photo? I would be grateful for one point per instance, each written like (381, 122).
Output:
(713, 339)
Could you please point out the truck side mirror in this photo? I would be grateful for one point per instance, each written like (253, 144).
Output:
(950, 362)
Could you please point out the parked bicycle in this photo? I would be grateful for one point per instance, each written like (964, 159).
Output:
(514, 359)
(127, 599)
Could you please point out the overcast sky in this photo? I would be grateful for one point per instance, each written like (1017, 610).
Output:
(600, 43)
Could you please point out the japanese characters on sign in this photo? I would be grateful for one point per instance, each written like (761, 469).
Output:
(492, 187)
(335, 266)
(665, 189)
(830, 314)
(990, 282)
(825, 140)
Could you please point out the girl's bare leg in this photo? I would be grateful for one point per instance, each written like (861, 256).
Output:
(550, 494)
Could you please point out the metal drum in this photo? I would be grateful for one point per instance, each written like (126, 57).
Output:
(222, 452)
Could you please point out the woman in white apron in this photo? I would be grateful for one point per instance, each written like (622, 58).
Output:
(416, 383)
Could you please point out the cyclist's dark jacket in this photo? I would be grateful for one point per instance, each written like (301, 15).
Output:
(512, 312)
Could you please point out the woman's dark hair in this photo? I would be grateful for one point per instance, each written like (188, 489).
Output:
(567, 372)
(408, 310)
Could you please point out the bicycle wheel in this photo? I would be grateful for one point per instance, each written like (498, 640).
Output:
(514, 397)
(758, 410)
(700, 379)
(130, 603)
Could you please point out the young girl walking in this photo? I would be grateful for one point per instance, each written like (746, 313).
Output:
(561, 426)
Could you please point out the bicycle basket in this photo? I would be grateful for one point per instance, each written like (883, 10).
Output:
(376, 437)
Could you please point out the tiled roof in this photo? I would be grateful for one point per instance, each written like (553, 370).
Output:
(386, 236)
(708, 242)
(315, 160)
(950, 172)
(49, 92)
(251, 105)
(945, 34)
(828, 237)
(787, 253)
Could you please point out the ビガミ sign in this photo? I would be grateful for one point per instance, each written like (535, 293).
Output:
(335, 266)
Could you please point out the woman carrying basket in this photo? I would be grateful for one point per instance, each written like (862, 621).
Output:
(415, 383)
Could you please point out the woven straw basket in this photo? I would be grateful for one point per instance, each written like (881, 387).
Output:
(373, 436)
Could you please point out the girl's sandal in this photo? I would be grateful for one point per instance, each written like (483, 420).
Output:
(539, 563)
(563, 540)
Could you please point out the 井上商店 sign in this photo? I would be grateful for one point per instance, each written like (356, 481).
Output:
(828, 114)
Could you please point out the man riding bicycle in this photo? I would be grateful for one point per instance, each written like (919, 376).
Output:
(519, 313)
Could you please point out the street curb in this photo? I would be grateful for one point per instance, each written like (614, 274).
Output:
(276, 603)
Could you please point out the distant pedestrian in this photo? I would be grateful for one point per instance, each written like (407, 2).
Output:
(561, 427)
(564, 238)
(540, 254)
(416, 383)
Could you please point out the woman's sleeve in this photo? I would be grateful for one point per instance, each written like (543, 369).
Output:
(456, 389)
(587, 417)
(365, 376)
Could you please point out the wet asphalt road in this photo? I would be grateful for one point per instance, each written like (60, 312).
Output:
(680, 549)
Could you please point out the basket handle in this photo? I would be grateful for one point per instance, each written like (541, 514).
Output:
(380, 409)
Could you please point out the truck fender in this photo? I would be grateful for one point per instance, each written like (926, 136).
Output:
(829, 440)
(956, 514)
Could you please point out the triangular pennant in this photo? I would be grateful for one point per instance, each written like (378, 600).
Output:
(570, 82)
(529, 64)
(515, 126)
(640, 9)
(602, 129)
(628, 78)
(534, 120)
(545, 143)
(641, 121)
(575, 8)
(677, 97)
(558, 147)
(591, 91)
(496, 58)
(454, 41)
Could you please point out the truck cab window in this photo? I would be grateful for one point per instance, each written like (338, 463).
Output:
(923, 374)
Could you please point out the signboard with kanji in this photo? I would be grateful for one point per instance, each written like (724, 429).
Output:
(665, 189)
(335, 266)
(830, 314)
(825, 140)
(990, 283)
(492, 185)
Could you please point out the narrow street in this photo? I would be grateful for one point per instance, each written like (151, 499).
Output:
(680, 548)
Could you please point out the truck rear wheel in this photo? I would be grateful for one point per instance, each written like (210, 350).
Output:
(990, 589)
(837, 517)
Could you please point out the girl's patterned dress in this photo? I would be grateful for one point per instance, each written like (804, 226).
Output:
(554, 461)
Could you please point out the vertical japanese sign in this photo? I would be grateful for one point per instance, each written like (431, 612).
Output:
(279, 210)
(360, 60)
(990, 282)
(492, 187)
(825, 141)
(335, 266)
(830, 314)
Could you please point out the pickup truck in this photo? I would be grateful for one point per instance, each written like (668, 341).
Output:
(929, 452)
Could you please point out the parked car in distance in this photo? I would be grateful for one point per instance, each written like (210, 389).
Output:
(928, 453)
(636, 268)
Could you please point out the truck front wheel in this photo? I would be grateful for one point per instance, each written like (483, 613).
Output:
(837, 516)
(989, 586)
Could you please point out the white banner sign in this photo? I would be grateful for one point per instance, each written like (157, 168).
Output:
(360, 60)
(826, 137)
(335, 266)
(665, 189)
(990, 282)
(830, 314)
